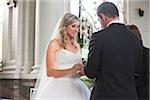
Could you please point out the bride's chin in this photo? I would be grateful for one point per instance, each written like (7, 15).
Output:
(72, 37)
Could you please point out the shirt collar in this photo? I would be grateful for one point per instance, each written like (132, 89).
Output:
(114, 21)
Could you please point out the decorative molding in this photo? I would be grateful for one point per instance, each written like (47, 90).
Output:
(11, 3)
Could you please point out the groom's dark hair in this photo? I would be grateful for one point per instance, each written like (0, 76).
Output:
(108, 8)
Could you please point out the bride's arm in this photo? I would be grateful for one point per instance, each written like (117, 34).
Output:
(50, 61)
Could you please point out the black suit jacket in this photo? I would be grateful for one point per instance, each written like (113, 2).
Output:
(142, 79)
(113, 54)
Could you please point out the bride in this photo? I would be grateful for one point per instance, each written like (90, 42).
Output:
(62, 67)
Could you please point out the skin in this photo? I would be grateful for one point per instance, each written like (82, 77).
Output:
(71, 32)
(72, 29)
(104, 20)
(54, 47)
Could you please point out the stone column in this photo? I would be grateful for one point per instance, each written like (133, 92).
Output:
(37, 57)
(20, 37)
(7, 30)
(8, 46)
(29, 36)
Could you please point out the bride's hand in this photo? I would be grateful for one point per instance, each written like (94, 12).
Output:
(77, 67)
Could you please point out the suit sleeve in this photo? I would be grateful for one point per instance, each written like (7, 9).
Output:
(139, 68)
(93, 62)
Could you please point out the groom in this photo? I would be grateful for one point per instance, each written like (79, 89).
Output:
(114, 52)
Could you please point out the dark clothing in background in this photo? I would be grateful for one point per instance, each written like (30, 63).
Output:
(142, 79)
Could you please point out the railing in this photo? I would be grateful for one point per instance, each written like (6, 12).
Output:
(31, 93)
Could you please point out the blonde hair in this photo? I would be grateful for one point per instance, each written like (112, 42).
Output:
(61, 37)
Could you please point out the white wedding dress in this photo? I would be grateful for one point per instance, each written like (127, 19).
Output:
(69, 87)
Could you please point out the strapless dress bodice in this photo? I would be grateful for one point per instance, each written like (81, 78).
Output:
(65, 59)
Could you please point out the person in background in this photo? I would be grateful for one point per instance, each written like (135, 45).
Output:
(113, 55)
(142, 79)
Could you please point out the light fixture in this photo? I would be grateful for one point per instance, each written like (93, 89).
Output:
(140, 12)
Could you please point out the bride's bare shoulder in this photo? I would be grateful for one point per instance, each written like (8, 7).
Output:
(53, 44)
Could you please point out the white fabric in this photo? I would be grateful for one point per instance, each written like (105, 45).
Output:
(42, 77)
(69, 87)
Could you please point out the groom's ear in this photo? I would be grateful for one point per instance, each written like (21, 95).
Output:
(102, 17)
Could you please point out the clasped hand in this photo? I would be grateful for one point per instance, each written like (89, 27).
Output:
(79, 69)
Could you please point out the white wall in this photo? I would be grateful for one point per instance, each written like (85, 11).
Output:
(50, 11)
(143, 23)
(47, 14)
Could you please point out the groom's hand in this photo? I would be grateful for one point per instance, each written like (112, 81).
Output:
(81, 72)
(78, 66)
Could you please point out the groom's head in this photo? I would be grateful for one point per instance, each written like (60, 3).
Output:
(107, 12)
